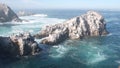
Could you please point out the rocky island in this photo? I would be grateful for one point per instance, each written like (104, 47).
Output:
(7, 14)
(90, 24)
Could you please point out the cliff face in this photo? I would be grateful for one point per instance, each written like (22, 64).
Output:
(90, 24)
(7, 14)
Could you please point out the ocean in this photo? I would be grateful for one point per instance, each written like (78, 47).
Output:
(93, 52)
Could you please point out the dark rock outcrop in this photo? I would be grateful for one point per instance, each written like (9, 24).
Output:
(8, 48)
(90, 24)
(18, 45)
(7, 14)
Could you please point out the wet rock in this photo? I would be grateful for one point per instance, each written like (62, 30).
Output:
(8, 48)
(18, 45)
(90, 24)
(27, 44)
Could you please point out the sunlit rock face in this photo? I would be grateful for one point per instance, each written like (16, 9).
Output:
(7, 14)
(90, 24)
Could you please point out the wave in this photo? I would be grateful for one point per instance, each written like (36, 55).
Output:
(97, 58)
(30, 24)
(40, 15)
(110, 34)
(16, 23)
(58, 51)
(89, 58)
(117, 61)
(43, 20)
(31, 20)
(85, 57)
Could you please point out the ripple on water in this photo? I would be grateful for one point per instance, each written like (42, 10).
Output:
(83, 52)
(58, 51)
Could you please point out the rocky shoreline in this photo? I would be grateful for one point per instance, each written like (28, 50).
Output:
(87, 25)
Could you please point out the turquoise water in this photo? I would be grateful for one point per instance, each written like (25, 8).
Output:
(95, 52)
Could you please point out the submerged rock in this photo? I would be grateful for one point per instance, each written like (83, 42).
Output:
(7, 14)
(90, 24)
(18, 45)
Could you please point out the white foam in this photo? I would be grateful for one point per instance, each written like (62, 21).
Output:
(34, 19)
(117, 61)
(89, 59)
(46, 21)
(96, 55)
(97, 58)
(61, 51)
(31, 31)
(30, 24)
(1, 23)
(17, 31)
(109, 34)
(40, 15)
(16, 23)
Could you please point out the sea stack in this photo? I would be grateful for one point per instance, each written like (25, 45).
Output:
(90, 24)
(7, 14)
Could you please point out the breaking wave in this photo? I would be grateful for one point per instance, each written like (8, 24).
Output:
(40, 15)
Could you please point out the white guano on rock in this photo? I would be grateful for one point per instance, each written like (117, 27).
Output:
(90, 24)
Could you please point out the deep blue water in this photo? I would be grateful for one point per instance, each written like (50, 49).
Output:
(95, 52)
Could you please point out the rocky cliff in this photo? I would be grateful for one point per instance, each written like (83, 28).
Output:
(7, 14)
(90, 24)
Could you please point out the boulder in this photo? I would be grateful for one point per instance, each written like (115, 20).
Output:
(7, 14)
(18, 45)
(90, 24)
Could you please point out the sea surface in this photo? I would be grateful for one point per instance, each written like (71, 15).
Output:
(94, 52)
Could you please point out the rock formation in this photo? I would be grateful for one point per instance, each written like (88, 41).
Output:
(18, 45)
(90, 24)
(6, 14)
